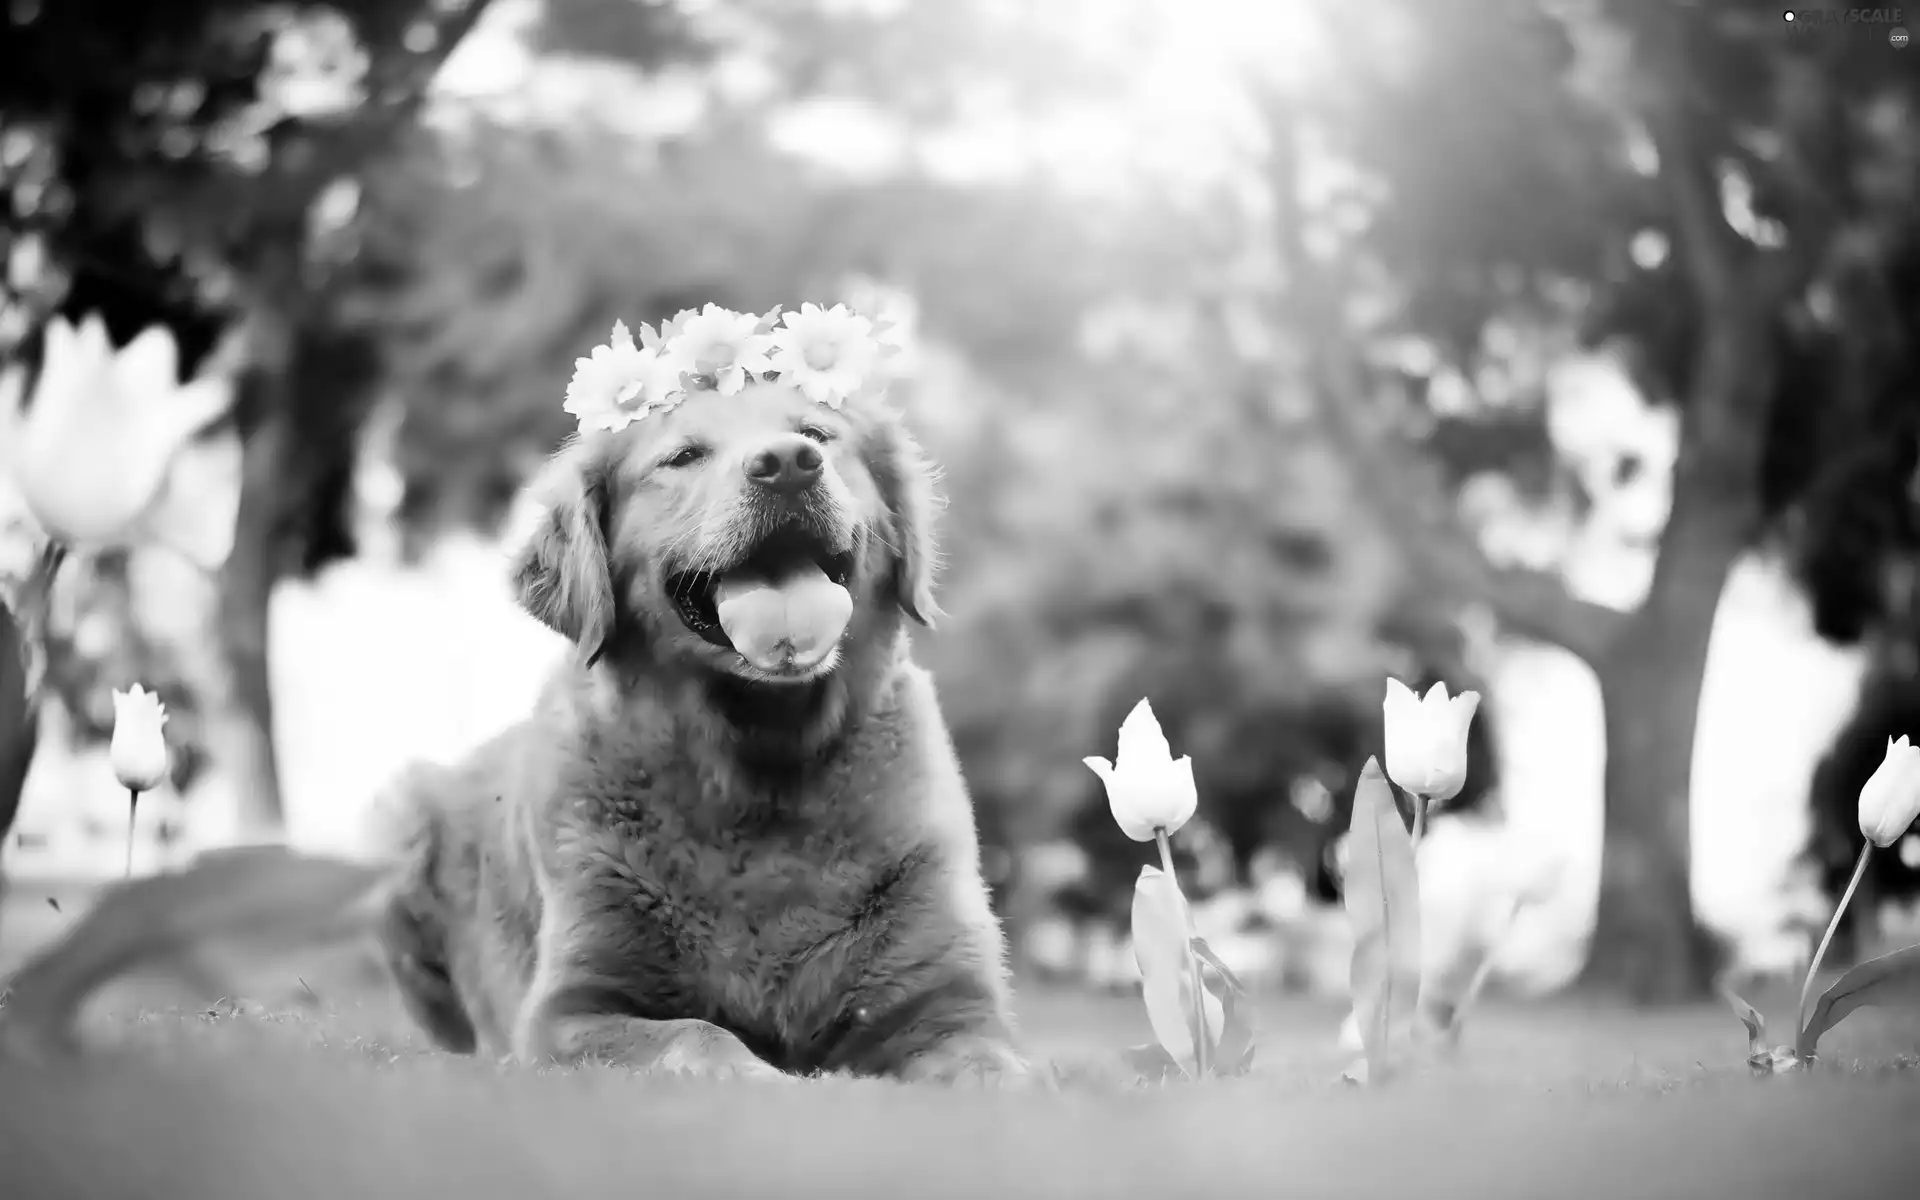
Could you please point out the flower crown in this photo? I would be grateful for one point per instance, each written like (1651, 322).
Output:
(830, 354)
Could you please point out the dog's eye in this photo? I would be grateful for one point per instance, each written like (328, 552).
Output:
(685, 456)
(816, 433)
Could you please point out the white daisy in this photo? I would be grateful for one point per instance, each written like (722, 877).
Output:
(619, 382)
(827, 353)
(723, 344)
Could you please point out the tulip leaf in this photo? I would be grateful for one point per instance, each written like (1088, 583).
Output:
(27, 606)
(1383, 904)
(1751, 1018)
(1233, 1053)
(1161, 929)
(1444, 1007)
(259, 900)
(1872, 982)
(1781, 1060)
(1153, 1064)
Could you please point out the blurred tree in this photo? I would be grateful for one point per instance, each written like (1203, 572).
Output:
(166, 165)
(1888, 707)
(1716, 196)
(1222, 569)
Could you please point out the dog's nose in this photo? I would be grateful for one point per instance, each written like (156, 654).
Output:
(790, 464)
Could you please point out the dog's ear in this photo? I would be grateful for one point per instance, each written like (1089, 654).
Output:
(906, 479)
(562, 574)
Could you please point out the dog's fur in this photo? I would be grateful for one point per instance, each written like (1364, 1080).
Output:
(678, 861)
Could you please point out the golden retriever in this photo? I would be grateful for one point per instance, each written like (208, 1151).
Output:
(704, 857)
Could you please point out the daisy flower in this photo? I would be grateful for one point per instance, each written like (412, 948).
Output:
(826, 352)
(723, 344)
(620, 382)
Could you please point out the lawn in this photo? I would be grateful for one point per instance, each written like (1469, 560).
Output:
(321, 1090)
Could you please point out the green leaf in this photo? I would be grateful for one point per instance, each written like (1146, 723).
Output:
(1446, 1012)
(1233, 1052)
(25, 603)
(1872, 982)
(255, 900)
(1383, 903)
(1160, 931)
(1152, 1063)
(1762, 1060)
(1755, 1023)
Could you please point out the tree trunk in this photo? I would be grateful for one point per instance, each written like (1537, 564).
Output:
(240, 727)
(1647, 944)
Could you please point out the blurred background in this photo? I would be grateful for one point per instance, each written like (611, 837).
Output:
(1568, 351)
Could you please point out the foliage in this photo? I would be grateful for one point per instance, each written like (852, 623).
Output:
(1725, 203)
(1133, 502)
(1251, 597)
(161, 166)
(1529, 192)
(1383, 904)
(1878, 981)
(1888, 706)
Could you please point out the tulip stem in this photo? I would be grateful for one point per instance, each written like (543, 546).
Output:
(1813, 968)
(1419, 819)
(36, 600)
(1484, 972)
(1193, 960)
(133, 807)
(51, 559)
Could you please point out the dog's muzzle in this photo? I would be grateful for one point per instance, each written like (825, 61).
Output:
(783, 608)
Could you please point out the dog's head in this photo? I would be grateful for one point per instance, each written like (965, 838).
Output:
(756, 535)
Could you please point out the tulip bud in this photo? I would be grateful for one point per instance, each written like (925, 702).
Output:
(1891, 797)
(139, 748)
(1147, 788)
(1426, 739)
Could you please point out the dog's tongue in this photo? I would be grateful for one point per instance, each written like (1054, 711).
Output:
(792, 621)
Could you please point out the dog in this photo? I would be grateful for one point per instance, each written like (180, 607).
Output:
(704, 857)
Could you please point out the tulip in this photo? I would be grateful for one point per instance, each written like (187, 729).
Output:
(1426, 743)
(1152, 796)
(138, 751)
(1151, 793)
(1891, 798)
(1889, 802)
(92, 451)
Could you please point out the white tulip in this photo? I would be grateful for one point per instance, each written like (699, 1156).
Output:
(139, 748)
(92, 450)
(1427, 739)
(1890, 799)
(1147, 788)
(1889, 802)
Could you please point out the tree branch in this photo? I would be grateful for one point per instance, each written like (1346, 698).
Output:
(1408, 500)
(1710, 248)
(1533, 603)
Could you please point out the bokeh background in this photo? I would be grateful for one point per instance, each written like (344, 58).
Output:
(1566, 351)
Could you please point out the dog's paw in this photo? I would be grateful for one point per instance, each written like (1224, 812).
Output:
(707, 1052)
(755, 1071)
(978, 1063)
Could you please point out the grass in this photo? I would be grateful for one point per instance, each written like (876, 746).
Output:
(323, 1090)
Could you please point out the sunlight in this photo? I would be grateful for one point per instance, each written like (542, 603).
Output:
(1190, 68)
(1208, 45)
